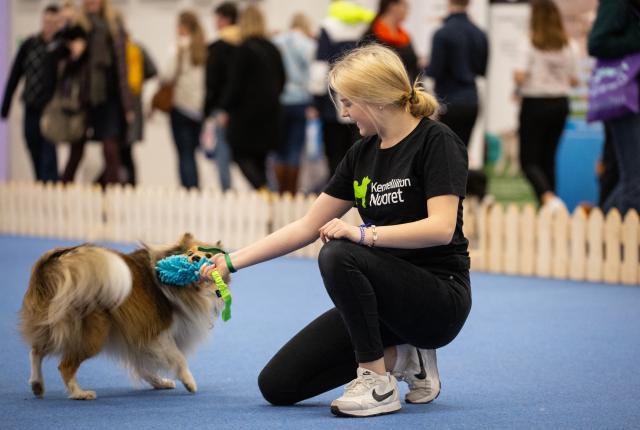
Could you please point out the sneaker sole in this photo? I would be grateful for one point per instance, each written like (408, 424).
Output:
(373, 412)
(424, 402)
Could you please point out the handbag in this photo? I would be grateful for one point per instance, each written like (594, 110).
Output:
(64, 118)
(162, 100)
(613, 88)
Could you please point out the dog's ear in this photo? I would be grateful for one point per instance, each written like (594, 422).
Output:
(186, 241)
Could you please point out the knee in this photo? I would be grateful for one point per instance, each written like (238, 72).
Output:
(272, 388)
(333, 255)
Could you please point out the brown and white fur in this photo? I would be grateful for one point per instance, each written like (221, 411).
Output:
(86, 299)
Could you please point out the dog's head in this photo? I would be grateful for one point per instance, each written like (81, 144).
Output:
(188, 246)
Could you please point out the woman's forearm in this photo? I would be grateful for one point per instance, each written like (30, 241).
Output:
(281, 242)
(418, 234)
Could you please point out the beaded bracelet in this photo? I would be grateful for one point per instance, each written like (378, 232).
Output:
(375, 235)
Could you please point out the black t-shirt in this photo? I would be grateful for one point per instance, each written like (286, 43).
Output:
(391, 186)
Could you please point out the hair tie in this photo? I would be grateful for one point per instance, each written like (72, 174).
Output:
(412, 96)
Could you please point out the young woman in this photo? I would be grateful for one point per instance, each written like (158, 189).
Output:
(186, 68)
(400, 283)
(544, 77)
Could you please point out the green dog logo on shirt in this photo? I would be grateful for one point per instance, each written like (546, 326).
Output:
(360, 190)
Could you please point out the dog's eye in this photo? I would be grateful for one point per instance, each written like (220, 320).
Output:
(189, 254)
(208, 255)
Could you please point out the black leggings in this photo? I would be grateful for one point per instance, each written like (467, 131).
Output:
(381, 301)
(542, 122)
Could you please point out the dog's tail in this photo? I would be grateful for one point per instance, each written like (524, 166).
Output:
(78, 280)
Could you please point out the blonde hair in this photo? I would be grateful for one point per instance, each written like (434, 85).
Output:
(374, 75)
(198, 47)
(252, 23)
(299, 21)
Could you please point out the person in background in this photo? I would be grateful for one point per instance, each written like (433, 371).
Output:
(544, 76)
(251, 102)
(386, 29)
(298, 49)
(340, 31)
(109, 98)
(140, 68)
(219, 59)
(32, 63)
(459, 54)
(616, 33)
(186, 66)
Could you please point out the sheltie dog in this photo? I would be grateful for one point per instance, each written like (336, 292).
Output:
(86, 299)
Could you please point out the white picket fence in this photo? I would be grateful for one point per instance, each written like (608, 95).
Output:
(511, 240)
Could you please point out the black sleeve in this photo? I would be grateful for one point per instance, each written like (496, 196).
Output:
(340, 185)
(482, 54)
(218, 64)
(438, 61)
(231, 95)
(281, 77)
(14, 78)
(444, 163)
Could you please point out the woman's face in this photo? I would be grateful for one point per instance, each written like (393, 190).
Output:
(359, 115)
(93, 6)
(399, 10)
(182, 30)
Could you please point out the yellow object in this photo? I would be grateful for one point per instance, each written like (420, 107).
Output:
(135, 67)
(350, 13)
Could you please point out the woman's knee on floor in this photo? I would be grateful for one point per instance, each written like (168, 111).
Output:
(274, 389)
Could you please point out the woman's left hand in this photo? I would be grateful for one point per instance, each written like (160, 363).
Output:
(338, 229)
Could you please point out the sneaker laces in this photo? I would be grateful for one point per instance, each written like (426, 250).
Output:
(362, 383)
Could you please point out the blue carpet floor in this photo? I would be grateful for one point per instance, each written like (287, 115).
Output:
(534, 354)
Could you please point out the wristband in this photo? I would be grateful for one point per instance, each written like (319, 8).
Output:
(227, 259)
(361, 241)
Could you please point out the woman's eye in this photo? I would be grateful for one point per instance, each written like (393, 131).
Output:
(208, 255)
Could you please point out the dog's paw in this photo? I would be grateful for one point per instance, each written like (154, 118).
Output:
(83, 395)
(38, 388)
(164, 384)
(191, 386)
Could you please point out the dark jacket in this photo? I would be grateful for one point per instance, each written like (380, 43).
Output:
(32, 62)
(459, 54)
(219, 59)
(252, 98)
(616, 30)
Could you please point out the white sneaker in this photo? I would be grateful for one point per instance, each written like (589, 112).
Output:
(421, 373)
(369, 394)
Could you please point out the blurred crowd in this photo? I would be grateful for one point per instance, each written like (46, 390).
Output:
(255, 98)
